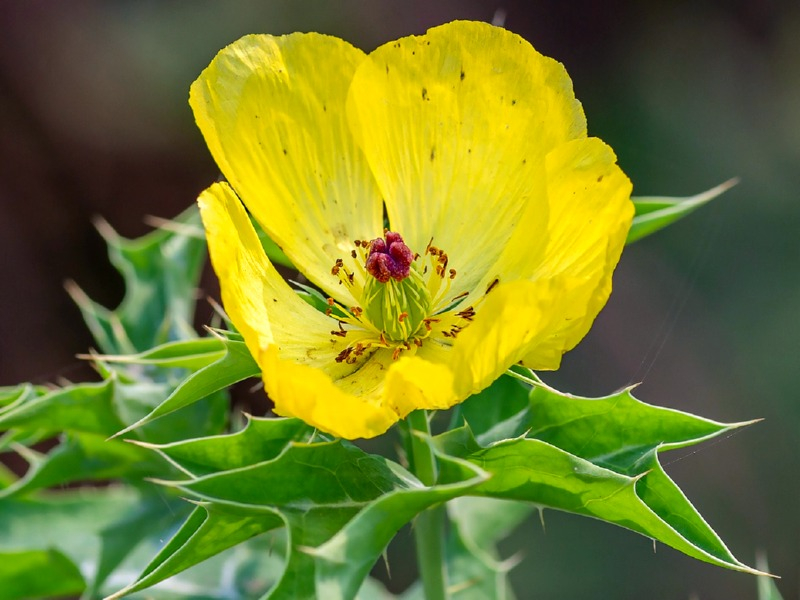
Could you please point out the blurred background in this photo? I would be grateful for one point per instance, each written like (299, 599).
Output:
(94, 120)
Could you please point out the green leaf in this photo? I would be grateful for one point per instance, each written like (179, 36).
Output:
(209, 530)
(483, 522)
(260, 440)
(599, 458)
(161, 271)
(18, 394)
(149, 518)
(88, 414)
(340, 506)
(499, 412)
(31, 574)
(345, 559)
(474, 569)
(618, 431)
(84, 457)
(190, 354)
(70, 523)
(213, 527)
(86, 408)
(235, 365)
(7, 477)
(206, 416)
(656, 212)
(105, 408)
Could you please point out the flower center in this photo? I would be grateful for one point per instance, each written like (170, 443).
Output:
(389, 259)
(400, 303)
(396, 299)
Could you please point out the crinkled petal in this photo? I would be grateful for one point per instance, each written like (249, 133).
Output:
(513, 317)
(262, 306)
(590, 207)
(413, 382)
(590, 215)
(588, 218)
(272, 111)
(350, 408)
(456, 125)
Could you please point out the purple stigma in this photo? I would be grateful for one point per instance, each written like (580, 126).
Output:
(389, 259)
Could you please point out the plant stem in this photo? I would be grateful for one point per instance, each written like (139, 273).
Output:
(429, 526)
(429, 542)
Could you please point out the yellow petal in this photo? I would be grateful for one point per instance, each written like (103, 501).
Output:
(456, 125)
(262, 306)
(414, 382)
(513, 317)
(350, 408)
(590, 207)
(590, 215)
(588, 218)
(272, 111)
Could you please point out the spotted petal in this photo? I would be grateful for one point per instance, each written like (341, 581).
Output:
(549, 294)
(272, 111)
(456, 125)
(513, 317)
(262, 306)
(350, 407)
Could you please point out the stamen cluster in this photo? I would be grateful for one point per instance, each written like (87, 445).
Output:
(400, 304)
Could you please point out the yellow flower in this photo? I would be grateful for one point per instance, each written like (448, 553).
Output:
(505, 220)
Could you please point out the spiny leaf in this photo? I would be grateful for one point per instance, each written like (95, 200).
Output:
(18, 394)
(321, 474)
(598, 457)
(85, 457)
(87, 414)
(160, 271)
(235, 365)
(656, 212)
(485, 521)
(343, 561)
(152, 515)
(104, 408)
(206, 416)
(190, 354)
(341, 506)
(615, 431)
(86, 407)
(260, 440)
(209, 530)
(6, 477)
(499, 412)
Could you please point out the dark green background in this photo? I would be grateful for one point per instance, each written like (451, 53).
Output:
(95, 121)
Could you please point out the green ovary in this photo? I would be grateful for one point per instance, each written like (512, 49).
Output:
(397, 308)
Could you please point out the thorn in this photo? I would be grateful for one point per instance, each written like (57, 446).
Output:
(385, 556)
